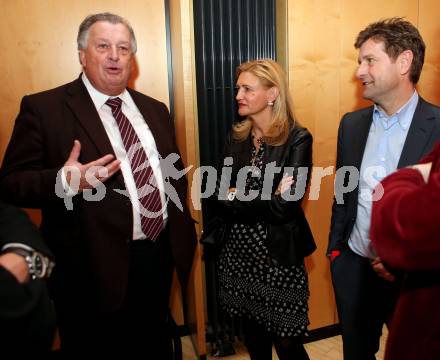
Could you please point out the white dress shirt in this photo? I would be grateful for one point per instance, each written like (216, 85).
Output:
(146, 138)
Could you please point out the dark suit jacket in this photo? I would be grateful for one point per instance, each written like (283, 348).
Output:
(289, 238)
(352, 138)
(27, 316)
(91, 242)
(405, 231)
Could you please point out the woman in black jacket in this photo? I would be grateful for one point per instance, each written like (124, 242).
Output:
(266, 165)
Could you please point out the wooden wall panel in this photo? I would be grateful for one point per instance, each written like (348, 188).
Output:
(185, 118)
(429, 26)
(313, 64)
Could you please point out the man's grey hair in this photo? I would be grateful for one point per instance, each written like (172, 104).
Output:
(83, 31)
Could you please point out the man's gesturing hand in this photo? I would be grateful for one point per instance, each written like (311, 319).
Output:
(90, 174)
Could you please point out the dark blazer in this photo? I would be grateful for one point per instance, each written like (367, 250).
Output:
(289, 238)
(91, 242)
(27, 316)
(352, 138)
(405, 232)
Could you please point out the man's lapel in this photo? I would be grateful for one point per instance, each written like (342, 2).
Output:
(418, 136)
(360, 136)
(85, 112)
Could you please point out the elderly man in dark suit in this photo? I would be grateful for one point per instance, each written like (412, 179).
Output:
(397, 131)
(27, 316)
(91, 155)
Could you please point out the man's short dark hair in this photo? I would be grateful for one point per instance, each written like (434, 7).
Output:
(397, 35)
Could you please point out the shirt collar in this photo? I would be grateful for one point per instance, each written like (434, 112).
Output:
(100, 98)
(403, 116)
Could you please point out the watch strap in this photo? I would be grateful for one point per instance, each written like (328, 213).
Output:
(39, 266)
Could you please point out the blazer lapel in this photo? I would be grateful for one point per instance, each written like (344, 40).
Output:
(418, 136)
(85, 112)
(360, 136)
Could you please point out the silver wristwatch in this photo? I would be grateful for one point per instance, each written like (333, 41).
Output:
(39, 265)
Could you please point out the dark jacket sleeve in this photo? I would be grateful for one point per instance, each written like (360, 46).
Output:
(24, 179)
(275, 209)
(15, 226)
(405, 224)
(339, 210)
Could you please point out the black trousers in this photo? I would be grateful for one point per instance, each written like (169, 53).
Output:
(140, 327)
(365, 303)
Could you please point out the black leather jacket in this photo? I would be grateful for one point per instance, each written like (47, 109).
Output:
(289, 238)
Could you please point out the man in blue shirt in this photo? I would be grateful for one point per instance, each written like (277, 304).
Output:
(396, 131)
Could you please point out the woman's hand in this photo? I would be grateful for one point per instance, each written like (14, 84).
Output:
(284, 185)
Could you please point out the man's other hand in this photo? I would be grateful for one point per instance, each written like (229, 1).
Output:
(94, 169)
(381, 270)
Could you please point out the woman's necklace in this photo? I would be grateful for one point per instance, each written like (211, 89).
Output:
(253, 168)
(259, 140)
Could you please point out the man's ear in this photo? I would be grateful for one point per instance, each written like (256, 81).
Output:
(82, 57)
(405, 60)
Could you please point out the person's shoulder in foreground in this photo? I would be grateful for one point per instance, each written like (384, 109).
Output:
(26, 313)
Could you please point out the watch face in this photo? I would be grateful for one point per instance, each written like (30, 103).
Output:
(39, 265)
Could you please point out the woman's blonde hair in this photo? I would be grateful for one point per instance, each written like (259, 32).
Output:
(270, 74)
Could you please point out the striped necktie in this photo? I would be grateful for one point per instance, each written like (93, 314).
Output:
(148, 193)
